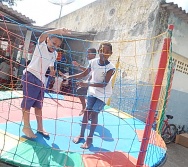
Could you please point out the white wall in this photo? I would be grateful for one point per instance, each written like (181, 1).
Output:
(178, 103)
(125, 23)
(120, 22)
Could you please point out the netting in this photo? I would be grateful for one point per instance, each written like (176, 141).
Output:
(128, 130)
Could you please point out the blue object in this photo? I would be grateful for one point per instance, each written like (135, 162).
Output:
(53, 96)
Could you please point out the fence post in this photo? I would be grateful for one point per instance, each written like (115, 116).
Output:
(155, 97)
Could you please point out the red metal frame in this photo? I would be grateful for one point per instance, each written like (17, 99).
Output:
(155, 98)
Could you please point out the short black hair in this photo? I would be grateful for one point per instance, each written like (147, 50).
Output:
(93, 50)
(106, 44)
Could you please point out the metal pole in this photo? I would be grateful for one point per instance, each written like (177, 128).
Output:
(60, 11)
(155, 97)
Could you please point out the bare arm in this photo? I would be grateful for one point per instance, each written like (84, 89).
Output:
(75, 63)
(60, 31)
(52, 71)
(108, 76)
(82, 68)
(80, 75)
(77, 76)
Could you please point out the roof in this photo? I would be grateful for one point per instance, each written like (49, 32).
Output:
(21, 29)
(176, 10)
(14, 22)
(14, 14)
(12, 30)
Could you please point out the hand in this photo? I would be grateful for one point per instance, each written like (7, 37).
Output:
(83, 84)
(75, 63)
(60, 73)
(65, 76)
(64, 31)
(52, 72)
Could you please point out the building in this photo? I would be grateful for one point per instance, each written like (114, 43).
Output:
(121, 20)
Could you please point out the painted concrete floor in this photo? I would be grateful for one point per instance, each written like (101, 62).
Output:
(176, 156)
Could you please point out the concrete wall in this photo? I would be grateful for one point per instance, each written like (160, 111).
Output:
(180, 35)
(178, 102)
(121, 23)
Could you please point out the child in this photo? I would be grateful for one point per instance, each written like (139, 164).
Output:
(82, 91)
(34, 77)
(100, 89)
(58, 83)
(5, 71)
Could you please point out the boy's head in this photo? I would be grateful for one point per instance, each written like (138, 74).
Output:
(105, 50)
(54, 42)
(91, 53)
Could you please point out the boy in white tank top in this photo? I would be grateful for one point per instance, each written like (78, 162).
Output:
(33, 78)
(99, 91)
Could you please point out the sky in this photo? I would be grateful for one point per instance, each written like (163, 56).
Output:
(181, 3)
(43, 12)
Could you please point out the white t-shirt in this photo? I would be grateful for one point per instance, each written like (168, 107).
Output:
(40, 61)
(98, 74)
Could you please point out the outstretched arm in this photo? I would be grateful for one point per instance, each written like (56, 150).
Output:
(108, 76)
(60, 31)
(75, 63)
(77, 76)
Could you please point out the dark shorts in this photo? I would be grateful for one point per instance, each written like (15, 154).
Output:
(81, 91)
(94, 104)
(3, 81)
(33, 91)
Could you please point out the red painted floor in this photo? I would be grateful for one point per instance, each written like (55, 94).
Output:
(52, 109)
